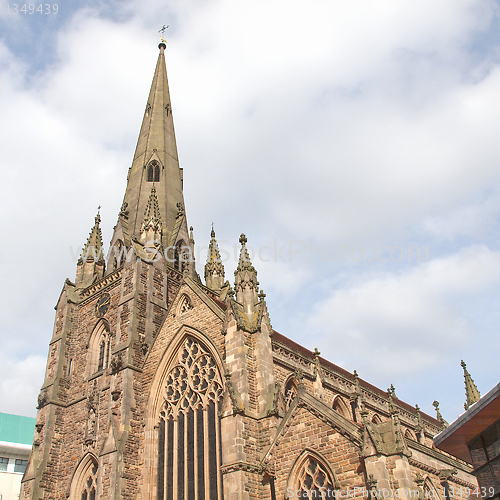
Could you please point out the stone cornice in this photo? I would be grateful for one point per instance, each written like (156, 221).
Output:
(105, 283)
(438, 456)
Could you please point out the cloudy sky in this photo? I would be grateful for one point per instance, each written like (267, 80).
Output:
(355, 143)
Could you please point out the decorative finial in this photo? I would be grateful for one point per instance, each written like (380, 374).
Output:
(212, 233)
(471, 392)
(243, 239)
(439, 417)
(262, 295)
(299, 375)
(316, 352)
(355, 373)
(97, 218)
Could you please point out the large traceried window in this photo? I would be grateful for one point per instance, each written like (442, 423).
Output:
(189, 445)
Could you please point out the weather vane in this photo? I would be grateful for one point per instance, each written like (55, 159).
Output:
(162, 31)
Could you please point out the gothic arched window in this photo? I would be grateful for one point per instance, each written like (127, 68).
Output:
(410, 435)
(311, 478)
(84, 483)
(120, 254)
(99, 349)
(290, 391)
(340, 406)
(181, 257)
(104, 346)
(154, 172)
(189, 443)
(184, 305)
(430, 491)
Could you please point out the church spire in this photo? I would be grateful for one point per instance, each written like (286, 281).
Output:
(471, 391)
(214, 270)
(91, 260)
(155, 161)
(245, 280)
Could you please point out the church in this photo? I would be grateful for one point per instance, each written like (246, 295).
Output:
(162, 386)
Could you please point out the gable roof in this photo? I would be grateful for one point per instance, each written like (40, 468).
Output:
(347, 428)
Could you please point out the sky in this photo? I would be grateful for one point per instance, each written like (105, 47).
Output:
(355, 143)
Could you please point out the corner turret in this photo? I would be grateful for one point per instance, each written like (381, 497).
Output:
(91, 262)
(214, 270)
(245, 281)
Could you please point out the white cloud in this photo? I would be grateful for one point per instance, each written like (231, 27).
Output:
(352, 122)
(20, 384)
(403, 323)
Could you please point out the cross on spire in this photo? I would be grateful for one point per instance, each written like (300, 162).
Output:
(162, 33)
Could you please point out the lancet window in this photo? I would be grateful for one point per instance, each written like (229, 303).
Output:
(99, 349)
(119, 254)
(84, 483)
(313, 480)
(181, 256)
(104, 347)
(153, 172)
(189, 444)
(89, 489)
(290, 391)
(340, 407)
(430, 491)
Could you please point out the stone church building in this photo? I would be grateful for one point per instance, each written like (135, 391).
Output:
(161, 386)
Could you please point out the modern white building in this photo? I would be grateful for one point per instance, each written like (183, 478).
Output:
(16, 438)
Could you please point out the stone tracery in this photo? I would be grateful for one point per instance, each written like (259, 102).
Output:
(313, 480)
(189, 429)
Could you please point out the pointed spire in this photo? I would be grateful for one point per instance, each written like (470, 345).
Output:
(151, 228)
(471, 391)
(91, 261)
(155, 161)
(245, 273)
(214, 270)
(245, 280)
(93, 251)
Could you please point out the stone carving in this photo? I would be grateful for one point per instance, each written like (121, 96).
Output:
(116, 363)
(124, 210)
(42, 400)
